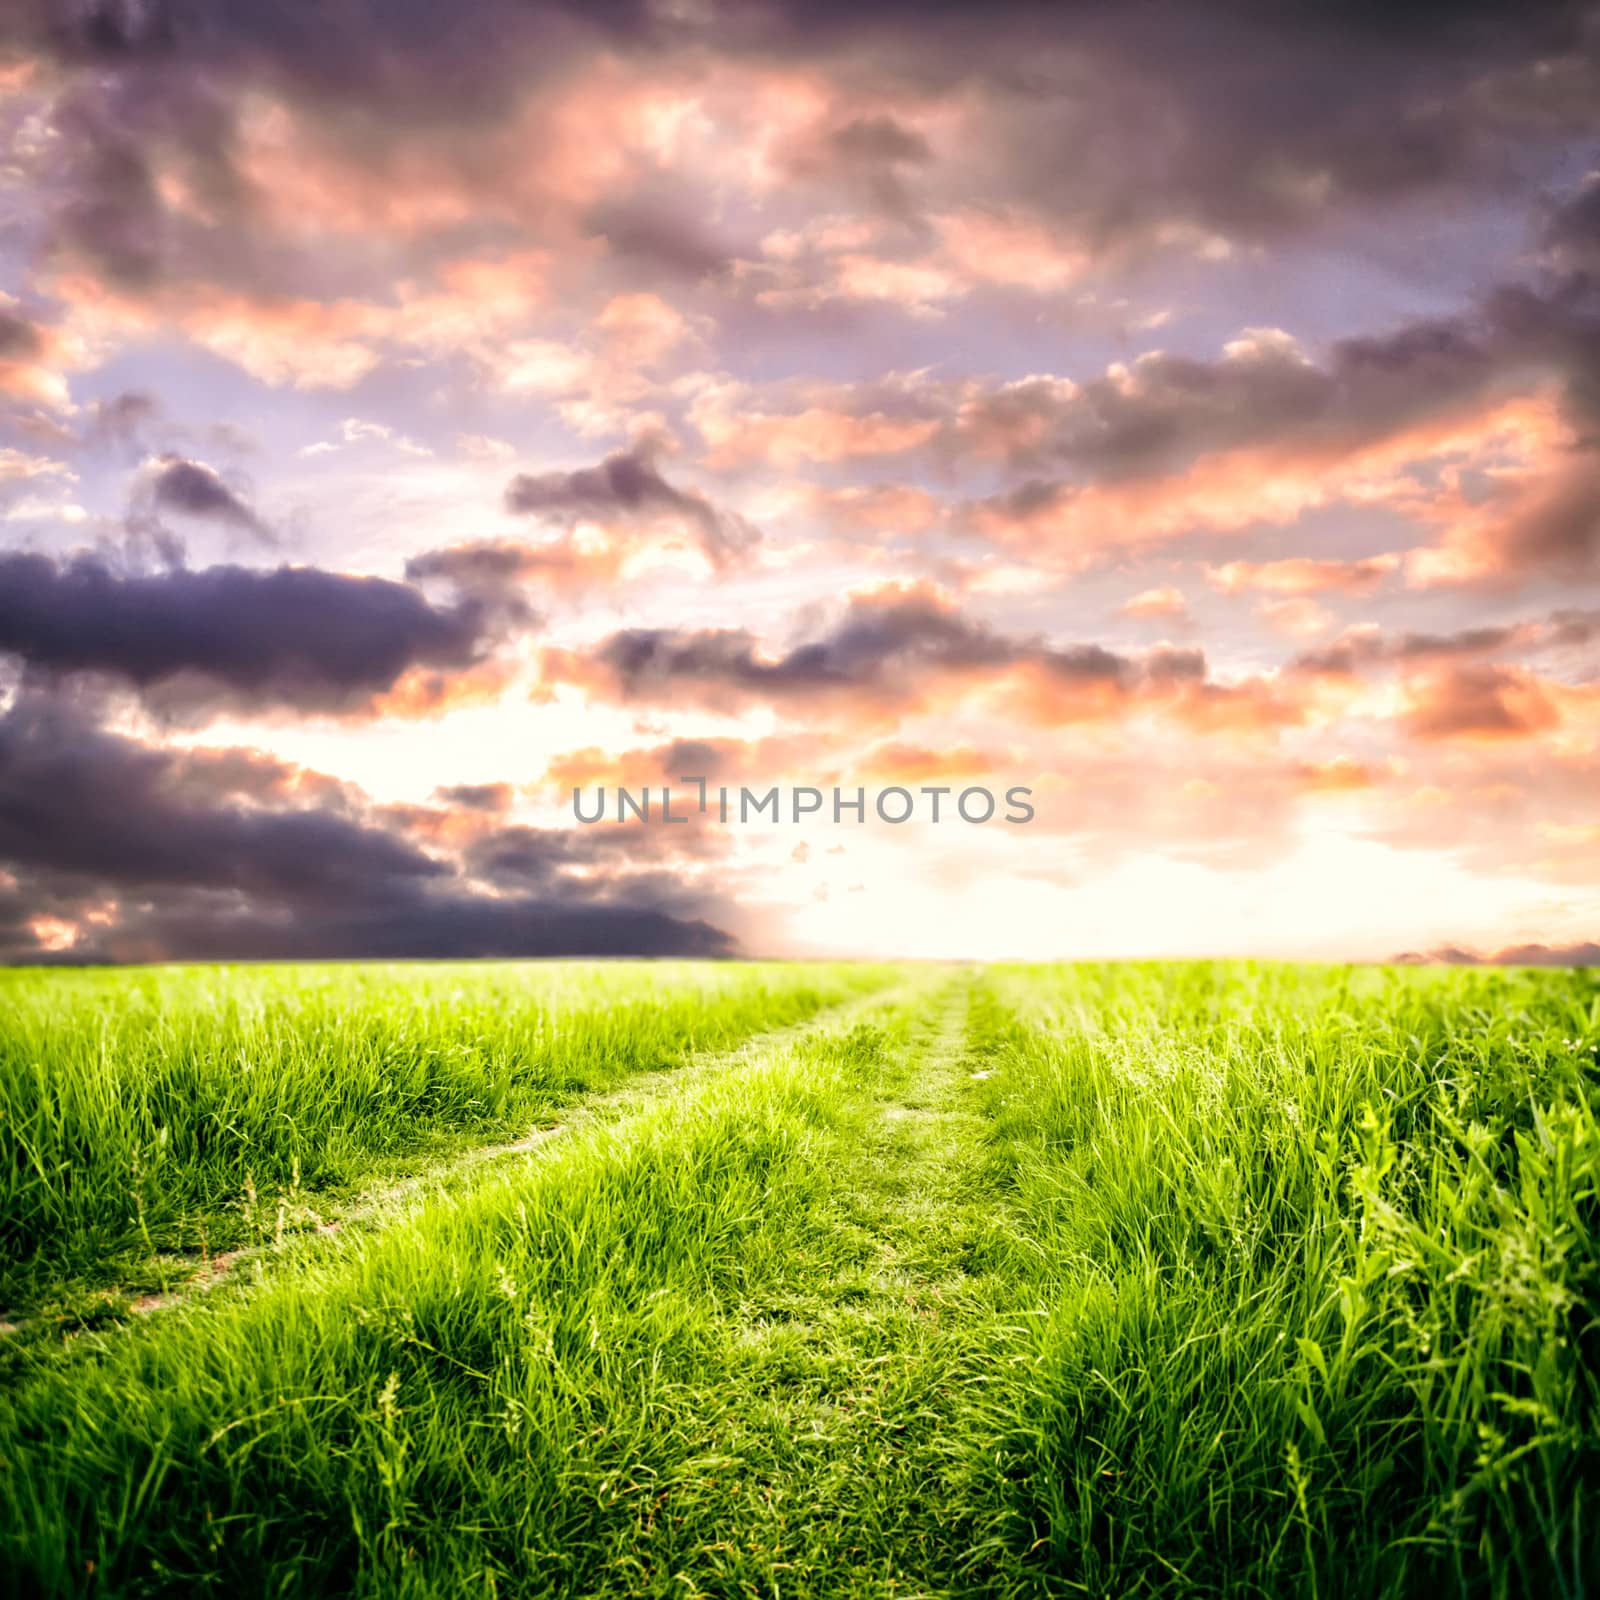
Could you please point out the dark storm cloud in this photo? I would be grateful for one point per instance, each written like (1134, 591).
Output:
(894, 654)
(1167, 410)
(439, 927)
(156, 87)
(1348, 657)
(204, 855)
(879, 141)
(870, 152)
(369, 53)
(707, 758)
(658, 232)
(628, 487)
(534, 858)
(1249, 118)
(115, 135)
(488, 572)
(1572, 235)
(77, 800)
(1246, 118)
(882, 648)
(860, 653)
(199, 491)
(485, 797)
(479, 565)
(296, 636)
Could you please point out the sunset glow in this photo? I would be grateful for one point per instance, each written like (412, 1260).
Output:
(1193, 424)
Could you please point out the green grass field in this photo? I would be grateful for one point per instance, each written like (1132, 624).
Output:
(782, 1281)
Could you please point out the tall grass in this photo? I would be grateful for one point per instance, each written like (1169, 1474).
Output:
(1321, 1256)
(494, 1392)
(138, 1107)
(1183, 1280)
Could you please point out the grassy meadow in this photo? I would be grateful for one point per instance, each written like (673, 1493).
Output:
(706, 1280)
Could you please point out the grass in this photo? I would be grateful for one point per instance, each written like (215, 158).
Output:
(1097, 1280)
(1320, 1260)
(193, 1109)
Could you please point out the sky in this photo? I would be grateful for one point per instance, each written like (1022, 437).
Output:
(410, 415)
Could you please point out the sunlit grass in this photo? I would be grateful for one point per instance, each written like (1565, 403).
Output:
(1320, 1260)
(166, 1109)
(1099, 1280)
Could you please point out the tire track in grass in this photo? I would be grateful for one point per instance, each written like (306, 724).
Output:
(375, 1207)
(456, 1403)
(838, 1438)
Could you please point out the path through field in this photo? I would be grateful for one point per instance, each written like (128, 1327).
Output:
(945, 1282)
(845, 1367)
(640, 1094)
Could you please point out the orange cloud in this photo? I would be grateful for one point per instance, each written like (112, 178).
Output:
(1478, 701)
(1342, 775)
(736, 434)
(1298, 619)
(423, 692)
(912, 763)
(300, 341)
(1542, 515)
(1011, 248)
(1300, 575)
(1163, 602)
(877, 508)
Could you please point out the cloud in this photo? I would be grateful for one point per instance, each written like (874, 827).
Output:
(1342, 775)
(717, 760)
(1572, 234)
(649, 233)
(1264, 400)
(191, 487)
(891, 644)
(196, 641)
(1478, 702)
(518, 857)
(1245, 120)
(1165, 601)
(1302, 575)
(489, 798)
(486, 569)
(32, 357)
(627, 487)
(18, 337)
(1541, 517)
(1367, 647)
(81, 801)
(1586, 954)
(904, 648)
(1298, 618)
(897, 761)
(121, 420)
(868, 153)
(834, 423)
(136, 853)
(1500, 403)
